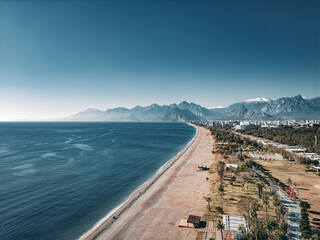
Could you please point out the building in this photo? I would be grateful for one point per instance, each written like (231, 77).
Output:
(294, 149)
(232, 223)
(192, 222)
(195, 220)
(244, 126)
(230, 166)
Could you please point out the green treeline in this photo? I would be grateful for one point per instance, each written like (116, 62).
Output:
(291, 136)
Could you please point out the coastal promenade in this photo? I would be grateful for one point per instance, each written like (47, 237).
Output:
(293, 214)
(175, 194)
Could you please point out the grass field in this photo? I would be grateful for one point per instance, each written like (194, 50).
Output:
(305, 182)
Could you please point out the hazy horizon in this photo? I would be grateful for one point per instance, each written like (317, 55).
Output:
(61, 57)
(65, 117)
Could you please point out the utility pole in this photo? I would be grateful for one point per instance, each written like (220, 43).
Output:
(315, 140)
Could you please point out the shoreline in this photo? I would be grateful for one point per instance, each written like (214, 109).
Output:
(114, 214)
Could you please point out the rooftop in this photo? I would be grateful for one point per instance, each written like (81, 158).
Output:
(232, 222)
(194, 219)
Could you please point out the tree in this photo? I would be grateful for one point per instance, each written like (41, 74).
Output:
(268, 226)
(244, 205)
(253, 221)
(265, 200)
(305, 205)
(220, 227)
(241, 157)
(209, 201)
(220, 169)
(221, 191)
(281, 212)
(242, 228)
(232, 180)
(254, 208)
(260, 189)
(289, 182)
(276, 201)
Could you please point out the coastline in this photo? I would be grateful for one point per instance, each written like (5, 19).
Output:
(106, 222)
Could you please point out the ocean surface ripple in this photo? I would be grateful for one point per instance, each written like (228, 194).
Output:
(58, 179)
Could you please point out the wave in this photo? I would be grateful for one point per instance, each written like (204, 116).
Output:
(82, 146)
(24, 169)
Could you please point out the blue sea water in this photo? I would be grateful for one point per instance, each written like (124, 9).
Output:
(58, 179)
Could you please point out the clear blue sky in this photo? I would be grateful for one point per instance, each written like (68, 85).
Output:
(60, 57)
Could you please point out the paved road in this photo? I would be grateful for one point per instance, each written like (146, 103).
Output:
(293, 214)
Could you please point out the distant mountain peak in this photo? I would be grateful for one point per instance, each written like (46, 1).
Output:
(92, 110)
(258, 99)
(261, 108)
(184, 102)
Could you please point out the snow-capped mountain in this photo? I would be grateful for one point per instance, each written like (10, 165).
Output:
(258, 99)
(217, 107)
(296, 107)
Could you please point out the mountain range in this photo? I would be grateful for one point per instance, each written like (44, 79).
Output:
(297, 107)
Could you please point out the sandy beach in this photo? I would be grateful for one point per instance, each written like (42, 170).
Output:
(175, 192)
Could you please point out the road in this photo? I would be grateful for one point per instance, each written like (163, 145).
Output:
(293, 211)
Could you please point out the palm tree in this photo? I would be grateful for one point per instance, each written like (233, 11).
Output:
(221, 190)
(209, 200)
(281, 212)
(232, 180)
(220, 169)
(220, 227)
(260, 188)
(255, 229)
(254, 209)
(265, 200)
(268, 225)
(242, 228)
(253, 218)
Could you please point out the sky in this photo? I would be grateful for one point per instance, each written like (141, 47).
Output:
(61, 57)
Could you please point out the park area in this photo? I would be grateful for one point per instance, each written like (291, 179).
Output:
(304, 180)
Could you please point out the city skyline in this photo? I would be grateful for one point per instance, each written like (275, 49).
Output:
(61, 57)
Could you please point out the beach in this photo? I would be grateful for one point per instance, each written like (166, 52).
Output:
(175, 192)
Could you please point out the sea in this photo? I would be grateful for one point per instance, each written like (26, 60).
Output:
(58, 179)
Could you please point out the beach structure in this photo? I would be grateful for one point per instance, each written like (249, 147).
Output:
(183, 223)
(203, 168)
(232, 223)
(195, 220)
(192, 222)
(230, 166)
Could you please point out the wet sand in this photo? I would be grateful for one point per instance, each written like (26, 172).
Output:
(176, 192)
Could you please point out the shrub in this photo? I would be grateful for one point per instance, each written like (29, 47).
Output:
(305, 205)
(219, 209)
(304, 215)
